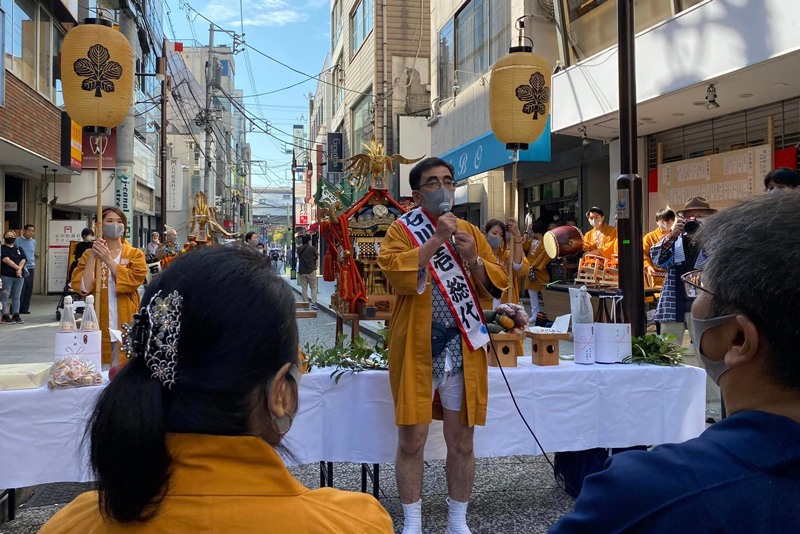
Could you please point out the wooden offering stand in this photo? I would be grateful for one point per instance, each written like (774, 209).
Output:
(507, 346)
(545, 348)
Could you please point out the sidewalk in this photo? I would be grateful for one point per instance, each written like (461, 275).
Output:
(33, 341)
(370, 328)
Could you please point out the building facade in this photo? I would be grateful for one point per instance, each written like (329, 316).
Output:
(379, 71)
(719, 106)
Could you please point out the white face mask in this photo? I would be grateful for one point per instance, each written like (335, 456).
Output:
(596, 222)
(664, 227)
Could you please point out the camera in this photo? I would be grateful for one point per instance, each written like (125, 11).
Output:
(691, 226)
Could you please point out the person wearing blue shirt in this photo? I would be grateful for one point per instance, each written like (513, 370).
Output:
(742, 475)
(28, 244)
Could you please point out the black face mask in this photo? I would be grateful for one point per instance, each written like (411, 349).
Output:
(10, 240)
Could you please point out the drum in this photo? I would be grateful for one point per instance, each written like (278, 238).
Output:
(563, 241)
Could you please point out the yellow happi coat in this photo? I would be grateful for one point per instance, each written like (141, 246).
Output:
(410, 359)
(131, 273)
(512, 295)
(538, 259)
(602, 239)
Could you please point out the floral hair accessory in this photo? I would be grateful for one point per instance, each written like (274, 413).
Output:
(154, 334)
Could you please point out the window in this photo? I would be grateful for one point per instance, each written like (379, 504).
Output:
(32, 40)
(360, 25)
(337, 23)
(57, 94)
(23, 41)
(592, 26)
(471, 50)
(362, 126)
(338, 87)
(44, 52)
(446, 61)
(469, 44)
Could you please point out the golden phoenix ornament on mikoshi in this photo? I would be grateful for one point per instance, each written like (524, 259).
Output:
(371, 166)
(204, 217)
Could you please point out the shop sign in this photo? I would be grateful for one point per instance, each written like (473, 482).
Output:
(124, 195)
(335, 152)
(71, 143)
(302, 211)
(486, 153)
(60, 234)
(92, 146)
(174, 192)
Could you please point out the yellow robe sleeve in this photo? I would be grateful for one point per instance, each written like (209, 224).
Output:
(77, 274)
(131, 275)
(610, 243)
(399, 260)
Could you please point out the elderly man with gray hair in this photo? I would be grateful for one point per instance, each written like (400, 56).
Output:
(742, 475)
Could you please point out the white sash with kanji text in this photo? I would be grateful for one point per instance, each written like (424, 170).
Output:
(452, 279)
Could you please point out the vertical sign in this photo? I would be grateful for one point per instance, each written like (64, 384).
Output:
(175, 185)
(309, 175)
(335, 152)
(302, 214)
(71, 143)
(60, 233)
(124, 196)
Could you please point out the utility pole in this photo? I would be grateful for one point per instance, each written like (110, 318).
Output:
(294, 214)
(123, 168)
(164, 84)
(208, 183)
(629, 184)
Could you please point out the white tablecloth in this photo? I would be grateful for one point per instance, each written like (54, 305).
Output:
(570, 407)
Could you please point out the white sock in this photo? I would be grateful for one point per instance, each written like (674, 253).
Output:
(412, 518)
(457, 517)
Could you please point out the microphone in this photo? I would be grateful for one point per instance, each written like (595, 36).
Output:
(445, 207)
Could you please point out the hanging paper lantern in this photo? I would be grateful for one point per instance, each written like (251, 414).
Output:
(519, 97)
(97, 75)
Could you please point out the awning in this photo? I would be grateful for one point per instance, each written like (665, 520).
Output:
(485, 153)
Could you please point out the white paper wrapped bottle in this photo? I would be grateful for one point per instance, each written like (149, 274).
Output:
(583, 329)
(89, 321)
(67, 324)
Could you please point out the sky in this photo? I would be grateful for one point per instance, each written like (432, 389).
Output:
(296, 32)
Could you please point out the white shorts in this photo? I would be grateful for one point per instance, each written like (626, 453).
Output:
(451, 388)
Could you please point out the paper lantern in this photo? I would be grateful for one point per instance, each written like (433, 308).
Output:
(519, 97)
(97, 75)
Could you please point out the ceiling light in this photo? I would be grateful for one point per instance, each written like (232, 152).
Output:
(679, 114)
(711, 97)
(746, 95)
(779, 85)
(699, 103)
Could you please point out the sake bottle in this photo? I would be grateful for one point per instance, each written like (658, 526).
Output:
(89, 322)
(602, 315)
(620, 315)
(67, 323)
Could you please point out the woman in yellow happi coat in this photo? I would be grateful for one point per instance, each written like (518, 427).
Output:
(410, 358)
(123, 270)
(538, 259)
(496, 234)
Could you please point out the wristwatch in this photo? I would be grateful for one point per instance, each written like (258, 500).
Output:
(477, 263)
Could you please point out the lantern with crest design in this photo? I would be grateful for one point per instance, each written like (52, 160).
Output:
(519, 97)
(97, 75)
(519, 105)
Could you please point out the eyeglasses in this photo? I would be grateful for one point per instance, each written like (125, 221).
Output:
(693, 284)
(435, 185)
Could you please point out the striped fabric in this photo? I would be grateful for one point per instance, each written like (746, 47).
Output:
(673, 260)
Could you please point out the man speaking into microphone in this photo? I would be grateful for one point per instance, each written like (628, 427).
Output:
(443, 273)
